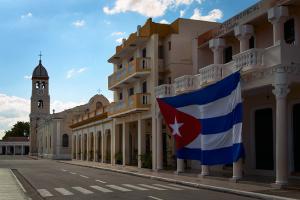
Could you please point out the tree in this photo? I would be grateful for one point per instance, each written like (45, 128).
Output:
(20, 129)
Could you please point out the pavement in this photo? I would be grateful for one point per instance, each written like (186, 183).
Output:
(249, 188)
(48, 179)
(10, 188)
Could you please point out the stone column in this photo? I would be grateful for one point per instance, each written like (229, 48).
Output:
(102, 146)
(141, 141)
(88, 147)
(277, 16)
(125, 138)
(82, 146)
(77, 146)
(96, 147)
(280, 91)
(159, 143)
(217, 45)
(243, 33)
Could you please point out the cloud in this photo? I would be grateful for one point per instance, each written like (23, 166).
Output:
(79, 23)
(119, 40)
(164, 21)
(182, 12)
(27, 77)
(27, 15)
(73, 72)
(213, 15)
(14, 109)
(117, 33)
(148, 8)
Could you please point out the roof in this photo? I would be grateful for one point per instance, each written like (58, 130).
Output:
(16, 139)
(40, 72)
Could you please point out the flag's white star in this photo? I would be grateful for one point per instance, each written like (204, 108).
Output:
(176, 126)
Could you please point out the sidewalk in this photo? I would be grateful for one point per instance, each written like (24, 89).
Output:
(9, 186)
(262, 189)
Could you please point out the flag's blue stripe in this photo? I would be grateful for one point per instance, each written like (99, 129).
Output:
(206, 95)
(225, 155)
(223, 123)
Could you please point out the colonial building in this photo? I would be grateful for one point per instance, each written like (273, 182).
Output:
(263, 42)
(14, 146)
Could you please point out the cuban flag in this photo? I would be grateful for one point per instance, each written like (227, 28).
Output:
(207, 123)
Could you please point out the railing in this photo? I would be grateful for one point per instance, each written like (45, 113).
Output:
(185, 83)
(164, 90)
(209, 74)
(135, 66)
(249, 59)
(134, 102)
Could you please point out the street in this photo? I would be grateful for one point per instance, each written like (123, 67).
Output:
(47, 179)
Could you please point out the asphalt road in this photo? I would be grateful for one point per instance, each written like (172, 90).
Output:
(47, 179)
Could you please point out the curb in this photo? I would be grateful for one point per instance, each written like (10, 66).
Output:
(191, 184)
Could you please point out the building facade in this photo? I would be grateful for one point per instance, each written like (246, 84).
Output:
(14, 146)
(263, 43)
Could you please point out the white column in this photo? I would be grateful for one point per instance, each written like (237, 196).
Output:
(217, 45)
(159, 143)
(204, 170)
(180, 166)
(243, 33)
(277, 16)
(280, 91)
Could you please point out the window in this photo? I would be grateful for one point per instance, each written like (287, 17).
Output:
(120, 66)
(160, 52)
(169, 45)
(228, 54)
(43, 84)
(65, 140)
(130, 91)
(144, 53)
(144, 87)
(120, 96)
(289, 31)
(251, 43)
(37, 85)
(40, 104)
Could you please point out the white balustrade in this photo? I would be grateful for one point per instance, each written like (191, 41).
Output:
(164, 90)
(185, 83)
(249, 60)
(209, 74)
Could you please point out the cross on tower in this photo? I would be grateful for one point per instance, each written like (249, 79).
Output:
(40, 55)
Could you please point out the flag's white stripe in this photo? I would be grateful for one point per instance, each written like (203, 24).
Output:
(63, 191)
(216, 108)
(219, 140)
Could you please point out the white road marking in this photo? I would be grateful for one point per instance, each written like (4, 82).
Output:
(100, 181)
(63, 191)
(183, 187)
(151, 187)
(118, 188)
(152, 197)
(168, 187)
(135, 187)
(44, 193)
(96, 187)
(73, 173)
(63, 170)
(84, 176)
(83, 190)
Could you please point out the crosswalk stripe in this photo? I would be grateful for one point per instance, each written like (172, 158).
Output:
(44, 193)
(96, 187)
(84, 176)
(151, 187)
(83, 190)
(100, 181)
(63, 191)
(119, 188)
(168, 187)
(73, 173)
(135, 187)
(183, 187)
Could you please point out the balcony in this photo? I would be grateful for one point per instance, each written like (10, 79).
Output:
(249, 60)
(135, 103)
(137, 68)
(165, 90)
(185, 83)
(209, 74)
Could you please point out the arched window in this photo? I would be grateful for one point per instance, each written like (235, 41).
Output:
(65, 140)
(40, 104)
(37, 85)
(98, 105)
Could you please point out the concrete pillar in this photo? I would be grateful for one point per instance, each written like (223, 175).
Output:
(280, 91)
(277, 16)
(180, 166)
(77, 146)
(217, 45)
(96, 148)
(88, 147)
(154, 144)
(141, 141)
(125, 138)
(82, 146)
(243, 33)
(204, 170)
(159, 143)
(102, 146)
(114, 142)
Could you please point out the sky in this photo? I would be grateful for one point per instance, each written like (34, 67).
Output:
(76, 38)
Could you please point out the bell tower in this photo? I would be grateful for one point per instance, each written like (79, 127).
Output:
(40, 103)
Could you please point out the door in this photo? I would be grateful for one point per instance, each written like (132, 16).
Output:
(296, 138)
(264, 139)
